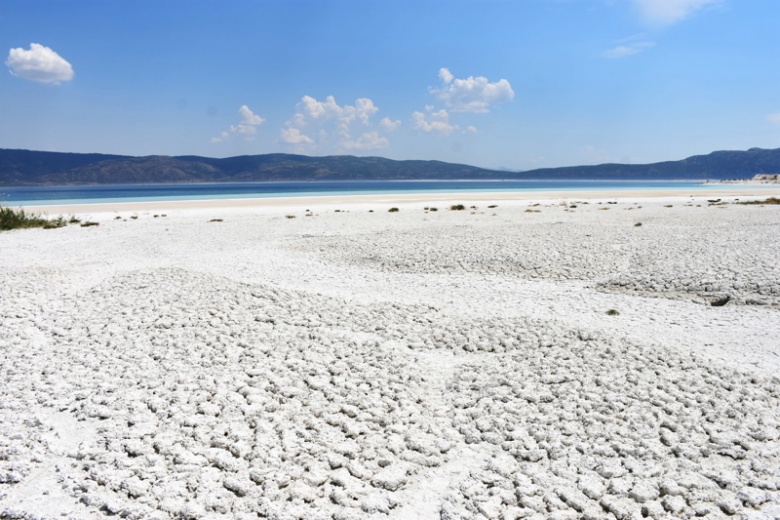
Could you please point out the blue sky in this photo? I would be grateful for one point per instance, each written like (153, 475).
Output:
(516, 84)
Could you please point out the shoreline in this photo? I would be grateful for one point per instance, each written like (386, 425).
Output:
(275, 203)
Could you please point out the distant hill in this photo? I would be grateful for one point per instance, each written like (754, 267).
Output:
(716, 166)
(26, 168)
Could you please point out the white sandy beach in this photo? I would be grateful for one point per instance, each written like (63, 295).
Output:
(558, 356)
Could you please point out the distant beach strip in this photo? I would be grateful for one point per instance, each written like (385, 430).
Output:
(147, 193)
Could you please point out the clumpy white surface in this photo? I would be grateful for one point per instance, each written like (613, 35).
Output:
(356, 364)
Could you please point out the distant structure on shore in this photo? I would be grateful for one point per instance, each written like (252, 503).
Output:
(32, 168)
(760, 178)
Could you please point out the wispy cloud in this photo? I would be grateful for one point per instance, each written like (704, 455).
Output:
(390, 125)
(628, 49)
(246, 128)
(472, 94)
(667, 12)
(40, 64)
(367, 141)
(774, 118)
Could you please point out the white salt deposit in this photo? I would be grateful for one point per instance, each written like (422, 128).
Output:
(418, 364)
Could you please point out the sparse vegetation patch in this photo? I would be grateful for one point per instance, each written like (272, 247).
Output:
(770, 201)
(19, 219)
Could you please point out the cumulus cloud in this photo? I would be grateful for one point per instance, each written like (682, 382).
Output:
(246, 128)
(295, 136)
(621, 51)
(433, 122)
(330, 121)
(390, 125)
(40, 64)
(667, 12)
(473, 94)
(774, 118)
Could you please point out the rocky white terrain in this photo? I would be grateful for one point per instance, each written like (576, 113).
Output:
(578, 359)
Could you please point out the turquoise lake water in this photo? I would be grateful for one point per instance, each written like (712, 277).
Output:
(50, 195)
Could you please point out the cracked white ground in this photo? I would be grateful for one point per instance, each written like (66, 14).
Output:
(492, 363)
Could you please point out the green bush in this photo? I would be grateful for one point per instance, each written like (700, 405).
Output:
(19, 219)
(458, 207)
(770, 200)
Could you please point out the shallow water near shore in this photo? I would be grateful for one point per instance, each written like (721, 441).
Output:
(52, 195)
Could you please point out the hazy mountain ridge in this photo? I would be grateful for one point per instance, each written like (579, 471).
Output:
(26, 167)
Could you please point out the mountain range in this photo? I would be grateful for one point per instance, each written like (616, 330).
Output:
(31, 168)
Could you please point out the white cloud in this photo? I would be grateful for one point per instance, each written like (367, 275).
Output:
(774, 118)
(621, 51)
(39, 64)
(367, 141)
(363, 109)
(246, 128)
(319, 109)
(667, 12)
(221, 137)
(295, 136)
(390, 125)
(472, 94)
(434, 122)
(330, 120)
(445, 75)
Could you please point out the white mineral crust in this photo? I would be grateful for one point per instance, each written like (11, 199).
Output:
(418, 364)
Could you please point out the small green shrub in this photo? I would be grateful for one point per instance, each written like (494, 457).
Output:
(55, 223)
(216, 220)
(19, 219)
(290, 216)
(770, 200)
(393, 210)
(457, 207)
(433, 209)
(89, 224)
(613, 312)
